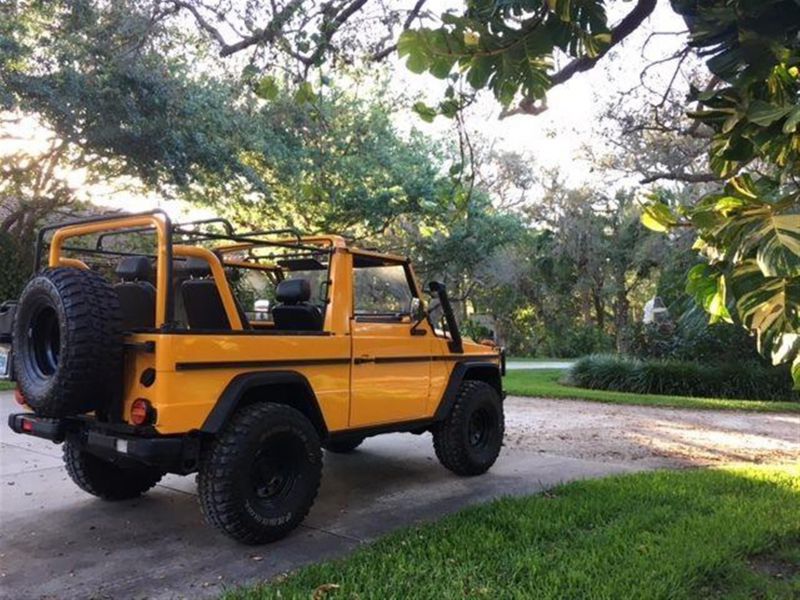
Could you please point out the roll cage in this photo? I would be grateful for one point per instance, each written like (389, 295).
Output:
(225, 247)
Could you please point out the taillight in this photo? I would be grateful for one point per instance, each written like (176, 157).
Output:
(19, 397)
(142, 412)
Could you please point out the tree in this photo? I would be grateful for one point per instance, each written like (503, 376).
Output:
(749, 231)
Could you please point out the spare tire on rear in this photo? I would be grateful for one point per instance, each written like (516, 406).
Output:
(67, 342)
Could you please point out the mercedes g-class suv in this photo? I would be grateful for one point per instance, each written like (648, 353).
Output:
(148, 347)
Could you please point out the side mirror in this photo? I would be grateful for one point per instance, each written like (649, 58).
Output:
(416, 310)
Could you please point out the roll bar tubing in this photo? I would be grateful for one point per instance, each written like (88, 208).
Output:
(159, 221)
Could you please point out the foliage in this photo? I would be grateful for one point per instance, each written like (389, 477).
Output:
(745, 380)
(550, 383)
(570, 284)
(669, 534)
(750, 230)
(15, 271)
(692, 338)
(506, 47)
(115, 88)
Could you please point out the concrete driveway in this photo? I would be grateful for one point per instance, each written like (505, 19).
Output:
(58, 542)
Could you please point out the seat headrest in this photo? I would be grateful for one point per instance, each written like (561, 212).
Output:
(292, 291)
(195, 267)
(135, 268)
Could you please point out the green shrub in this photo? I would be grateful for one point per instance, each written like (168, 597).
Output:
(692, 338)
(572, 341)
(744, 380)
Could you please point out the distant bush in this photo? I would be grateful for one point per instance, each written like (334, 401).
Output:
(692, 339)
(742, 380)
(573, 342)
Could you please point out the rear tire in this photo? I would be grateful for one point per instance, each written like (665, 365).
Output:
(67, 342)
(468, 441)
(344, 446)
(260, 476)
(107, 480)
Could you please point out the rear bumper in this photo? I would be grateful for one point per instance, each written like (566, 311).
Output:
(176, 454)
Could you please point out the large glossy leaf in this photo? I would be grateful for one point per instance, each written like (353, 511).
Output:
(708, 288)
(770, 306)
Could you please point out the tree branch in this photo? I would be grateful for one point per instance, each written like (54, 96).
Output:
(329, 29)
(264, 36)
(413, 14)
(685, 177)
(619, 32)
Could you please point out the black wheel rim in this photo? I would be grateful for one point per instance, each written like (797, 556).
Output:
(276, 469)
(45, 341)
(480, 428)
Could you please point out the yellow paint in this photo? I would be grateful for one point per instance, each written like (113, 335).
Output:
(362, 373)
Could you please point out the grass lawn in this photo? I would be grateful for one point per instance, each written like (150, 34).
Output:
(726, 533)
(6, 385)
(544, 383)
(513, 359)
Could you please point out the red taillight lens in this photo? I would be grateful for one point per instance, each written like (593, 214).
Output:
(19, 397)
(141, 412)
(27, 425)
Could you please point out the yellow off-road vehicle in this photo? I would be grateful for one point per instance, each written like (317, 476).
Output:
(148, 347)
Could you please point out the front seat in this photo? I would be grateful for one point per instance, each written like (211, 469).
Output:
(137, 296)
(294, 313)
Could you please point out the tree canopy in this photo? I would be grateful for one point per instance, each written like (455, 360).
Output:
(247, 106)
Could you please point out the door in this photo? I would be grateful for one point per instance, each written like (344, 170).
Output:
(391, 369)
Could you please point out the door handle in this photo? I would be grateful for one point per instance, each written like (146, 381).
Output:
(364, 358)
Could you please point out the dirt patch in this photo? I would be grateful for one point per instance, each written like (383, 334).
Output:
(774, 567)
(651, 436)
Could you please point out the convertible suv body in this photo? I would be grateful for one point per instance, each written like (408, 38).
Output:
(150, 347)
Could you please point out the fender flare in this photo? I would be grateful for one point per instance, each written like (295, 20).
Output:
(238, 386)
(457, 376)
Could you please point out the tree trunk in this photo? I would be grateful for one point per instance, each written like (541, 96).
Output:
(622, 321)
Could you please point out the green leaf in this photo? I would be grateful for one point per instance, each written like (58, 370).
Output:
(658, 217)
(480, 70)
(779, 251)
(305, 94)
(267, 88)
(449, 108)
(710, 291)
(796, 373)
(790, 126)
(426, 113)
(769, 306)
(765, 114)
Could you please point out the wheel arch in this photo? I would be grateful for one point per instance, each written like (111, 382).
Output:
(487, 372)
(281, 387)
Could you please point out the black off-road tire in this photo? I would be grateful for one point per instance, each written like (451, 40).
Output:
(343, 446)
(468, 441)
(67, 342)
(107, 480)
(258, 479)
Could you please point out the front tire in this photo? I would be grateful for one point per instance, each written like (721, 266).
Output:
(107, 480)
(468, 441)
(260, 476)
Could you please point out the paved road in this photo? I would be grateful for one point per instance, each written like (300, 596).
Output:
(531, 364)
(57, 542)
